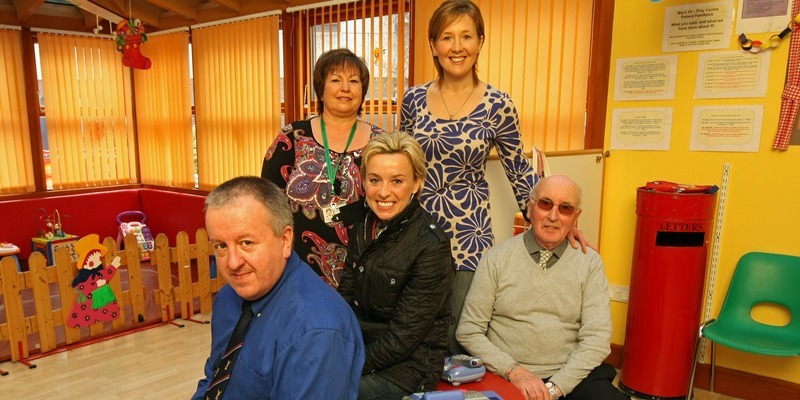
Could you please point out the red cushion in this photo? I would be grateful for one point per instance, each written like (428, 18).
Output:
(491, 382)
(171, 212)
(81, 214)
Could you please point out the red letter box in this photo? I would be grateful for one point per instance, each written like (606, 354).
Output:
(673, 230)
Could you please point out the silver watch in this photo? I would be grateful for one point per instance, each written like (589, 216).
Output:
(552, 389)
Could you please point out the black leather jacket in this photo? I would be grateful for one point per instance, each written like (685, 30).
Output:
(398, 286)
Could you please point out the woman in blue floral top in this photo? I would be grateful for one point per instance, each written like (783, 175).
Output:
(458, 119)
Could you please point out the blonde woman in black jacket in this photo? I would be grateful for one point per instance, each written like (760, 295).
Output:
(398, 274)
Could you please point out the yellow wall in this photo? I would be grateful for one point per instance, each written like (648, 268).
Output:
(763, 200)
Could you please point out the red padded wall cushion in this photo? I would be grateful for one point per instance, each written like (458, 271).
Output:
(171, 212)
(81, 214)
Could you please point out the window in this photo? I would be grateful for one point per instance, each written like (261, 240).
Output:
(237, 96)
(541, 53)
(89, 108)
(164, 119)
(16, 166)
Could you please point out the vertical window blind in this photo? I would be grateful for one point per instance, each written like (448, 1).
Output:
(88, 108)
(538, 52)
(16, 166)
(237, 97)
(164, 113)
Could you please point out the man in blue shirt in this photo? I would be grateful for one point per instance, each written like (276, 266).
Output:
(304, 341)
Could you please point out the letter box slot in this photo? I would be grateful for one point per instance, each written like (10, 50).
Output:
(680, 239)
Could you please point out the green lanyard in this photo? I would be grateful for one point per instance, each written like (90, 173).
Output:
(328, 161)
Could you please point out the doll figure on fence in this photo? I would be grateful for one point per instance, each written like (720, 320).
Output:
(94, 298)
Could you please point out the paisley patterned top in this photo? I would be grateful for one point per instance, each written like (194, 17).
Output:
(456, 192)
(296, 163)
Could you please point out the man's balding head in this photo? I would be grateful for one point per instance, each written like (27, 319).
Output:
(563, 196)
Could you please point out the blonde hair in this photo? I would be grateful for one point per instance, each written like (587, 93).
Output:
(396, 143)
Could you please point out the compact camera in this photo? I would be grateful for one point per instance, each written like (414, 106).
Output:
(462, 368)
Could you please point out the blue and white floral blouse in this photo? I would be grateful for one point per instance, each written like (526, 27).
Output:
(456, 192)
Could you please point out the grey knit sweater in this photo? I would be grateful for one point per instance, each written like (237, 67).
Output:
(555, 323)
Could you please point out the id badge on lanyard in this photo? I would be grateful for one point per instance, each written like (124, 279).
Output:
(332, 210)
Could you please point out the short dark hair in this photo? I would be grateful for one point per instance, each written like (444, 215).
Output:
(335, 59)
(266, 192)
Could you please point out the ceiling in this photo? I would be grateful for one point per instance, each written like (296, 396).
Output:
(83, 15)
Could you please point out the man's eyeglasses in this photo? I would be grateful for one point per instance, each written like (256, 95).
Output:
(547, 205)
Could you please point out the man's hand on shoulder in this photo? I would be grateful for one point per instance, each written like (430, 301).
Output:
(531, 386)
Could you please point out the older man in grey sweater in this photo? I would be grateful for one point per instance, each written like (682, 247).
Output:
(538, 310)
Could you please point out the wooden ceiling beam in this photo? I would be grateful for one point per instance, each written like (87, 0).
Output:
(51, 10)
(149, 14)
(257, 6)
(184, 8)
(114, 6)
(210, 12)
(8, 16)
(97, 25)
(90, 21)
(155, 14)
(26, 8)
(298, 3)
(62, 22)
(96, 10)
(121, 4)
(233, 5)
(146, 12)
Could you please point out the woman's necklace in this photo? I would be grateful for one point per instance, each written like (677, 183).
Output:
(335, 185)
(454, 113)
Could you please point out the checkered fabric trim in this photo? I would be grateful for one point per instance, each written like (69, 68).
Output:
(790, 102)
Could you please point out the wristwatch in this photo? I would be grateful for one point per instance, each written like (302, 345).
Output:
(552, 389)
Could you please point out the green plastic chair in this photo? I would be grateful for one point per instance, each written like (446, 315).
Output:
(759, 278)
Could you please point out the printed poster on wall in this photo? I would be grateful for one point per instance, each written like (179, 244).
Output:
(699, 26)
(646, 78)
(641, 128)
(732, 74)
(727, 128)
(759, 16)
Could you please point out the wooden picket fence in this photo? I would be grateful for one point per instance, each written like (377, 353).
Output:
(21, 331)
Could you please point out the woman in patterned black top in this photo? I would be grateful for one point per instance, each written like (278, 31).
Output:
(316, 162)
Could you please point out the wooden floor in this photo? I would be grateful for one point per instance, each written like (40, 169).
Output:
(164, 362)
(161, 363)
(700, 394)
